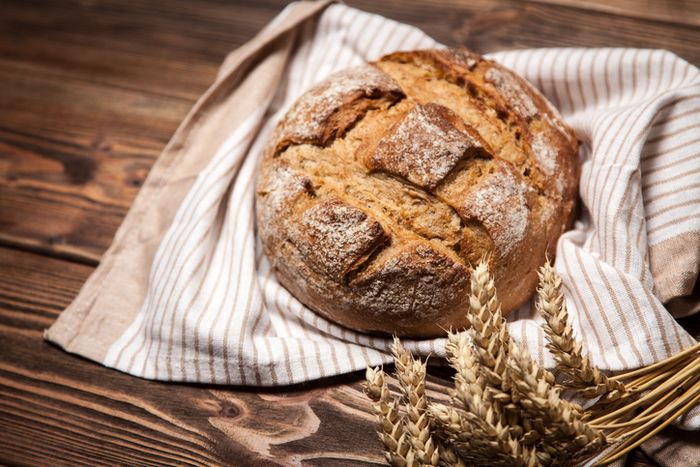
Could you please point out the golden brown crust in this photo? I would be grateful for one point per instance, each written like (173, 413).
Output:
(382, 186)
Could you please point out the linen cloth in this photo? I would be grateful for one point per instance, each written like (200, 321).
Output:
(184, 293)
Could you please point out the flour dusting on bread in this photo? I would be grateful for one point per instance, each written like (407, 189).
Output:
(545, 153)
(426, 145)
(336, 235)
(513, 92)
(415, 281)
(499, 203)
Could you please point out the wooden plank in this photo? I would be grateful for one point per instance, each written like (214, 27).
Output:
(72, 156)
(671, 11)
(158, 47)
(488, 26)
(86, 414)
(91, 93)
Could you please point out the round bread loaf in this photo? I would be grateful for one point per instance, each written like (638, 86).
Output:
(384, 184)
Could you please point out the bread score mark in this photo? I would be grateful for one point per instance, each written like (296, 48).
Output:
(336, 237)
(333, 107)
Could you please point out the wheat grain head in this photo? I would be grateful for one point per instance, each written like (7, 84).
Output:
(565, 436)
(411, 375)
(582, 375)
(398, 450)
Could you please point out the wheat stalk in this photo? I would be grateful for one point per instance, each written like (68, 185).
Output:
(485, 442)
(449, 458)
(453, 427)
(490, 339)
(488, 331)
(461, 358)
(398, 450)
(411, 375)
(585, 377)
(450, 430)
(490, 438)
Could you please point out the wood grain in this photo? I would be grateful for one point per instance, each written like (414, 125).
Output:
(74, 154)
(90, 93)
(670, 11)
(488, 26)
(85, 414)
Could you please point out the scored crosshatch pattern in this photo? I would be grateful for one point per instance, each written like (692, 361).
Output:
(215, 313)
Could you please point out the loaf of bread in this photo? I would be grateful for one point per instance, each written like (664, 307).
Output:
(384, 184)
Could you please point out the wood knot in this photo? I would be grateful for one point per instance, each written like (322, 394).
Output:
(229, 410)
(57, 239)
(134, 182)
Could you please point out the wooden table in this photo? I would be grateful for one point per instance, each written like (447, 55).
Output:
(90, 92)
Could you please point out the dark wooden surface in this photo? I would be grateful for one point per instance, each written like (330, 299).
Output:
(90, 92)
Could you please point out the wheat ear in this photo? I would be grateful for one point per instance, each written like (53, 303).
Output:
(398, 450)
(491, 342)
(488, 331)
(566, 437)
(583, 376)
(487, 408)
(471, 391)
(411, 375)
(461, 358)
(449, 458)
(448, 431)
(483, 442)
(490, 339)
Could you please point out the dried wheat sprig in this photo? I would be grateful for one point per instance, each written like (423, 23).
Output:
(669, 401)
(491, 429)
(471, 390)
(398, 450)
(481, 381)
(484, 442)
(567, 438)
(449, 458)
(461, 358)
(585, 377)
(411, 375)
(495, 380)
(648, 418)
(680, 406)
(488, 331)
(675, 360)
(450, 424)
(453, 428)
(491, 340)
(686, 376)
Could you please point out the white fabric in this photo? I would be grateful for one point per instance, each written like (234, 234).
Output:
(215, 314)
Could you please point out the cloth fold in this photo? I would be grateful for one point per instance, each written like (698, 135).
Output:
(185, 294)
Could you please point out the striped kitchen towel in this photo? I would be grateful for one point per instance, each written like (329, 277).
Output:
(185, 294)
